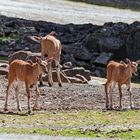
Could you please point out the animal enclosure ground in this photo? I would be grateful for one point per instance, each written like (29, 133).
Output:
(69, 97)
(71, 110)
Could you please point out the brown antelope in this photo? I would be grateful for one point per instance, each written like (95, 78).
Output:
(51, 47)
(119, 73)
(29, 73)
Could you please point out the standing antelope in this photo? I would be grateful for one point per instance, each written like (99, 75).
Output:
(51, 47)
(119, 73)
(29, 73)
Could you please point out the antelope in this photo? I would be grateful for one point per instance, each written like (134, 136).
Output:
(120, 73)
(51, 47)
(29, 73)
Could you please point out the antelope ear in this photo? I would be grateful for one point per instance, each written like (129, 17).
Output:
(138, 61)
(30, 61)
(53, 33)
(37, 38)
(128, 61)
(38, 60)
(50, 60)
(122, 62)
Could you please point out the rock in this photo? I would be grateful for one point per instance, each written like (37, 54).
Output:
(82, 78)
(3, 53)
(4, 71)
(100, 43)
(78, 70)
(103, 58)
(22, 55)
(76, 80)
(83, 54)
(97, 73)
(132, 45)
(33, 56)
(27, 30)
(85, 45)
(67, 65)
(4, 65)
(101, 71)
(68, 58)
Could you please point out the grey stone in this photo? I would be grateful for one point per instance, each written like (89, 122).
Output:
(103, 58)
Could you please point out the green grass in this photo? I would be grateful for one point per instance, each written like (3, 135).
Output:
(7, 39)
(125, 134)
(4, 40)
(3, 58)
(71, 123)
(72, 119)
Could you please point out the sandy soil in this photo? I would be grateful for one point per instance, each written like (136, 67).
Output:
(69, 97)
(63, 11)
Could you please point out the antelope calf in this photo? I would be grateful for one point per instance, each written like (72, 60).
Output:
(51, 47)
(119, 73)
(29, 73)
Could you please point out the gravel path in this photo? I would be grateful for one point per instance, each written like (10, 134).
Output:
(63, 11)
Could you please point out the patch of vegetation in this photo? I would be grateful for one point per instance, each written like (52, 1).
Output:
(4, 40)
(8, 39)
(74, 119)
(125, 134)
(129, 4)
(71, 123)
(3, 58)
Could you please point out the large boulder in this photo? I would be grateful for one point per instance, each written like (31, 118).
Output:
(103, 58)
(33, 57)
(133, 41)
(108, 39)
(22, 55)
(4, 68)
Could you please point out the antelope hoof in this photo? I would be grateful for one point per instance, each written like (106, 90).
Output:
(120, 108)
(110, 108)
(131, 107)
(29, 112)
(41, 83)
(60, 84)
(50, 84)
(19, 109)
(107, 106)
(5, 109)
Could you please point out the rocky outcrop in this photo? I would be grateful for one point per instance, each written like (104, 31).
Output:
(85, 45)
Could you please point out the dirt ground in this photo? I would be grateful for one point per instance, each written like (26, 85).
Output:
(69, 97)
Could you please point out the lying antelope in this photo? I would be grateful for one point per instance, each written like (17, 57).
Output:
(51, 47)
(119, 73)
(29, 73)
